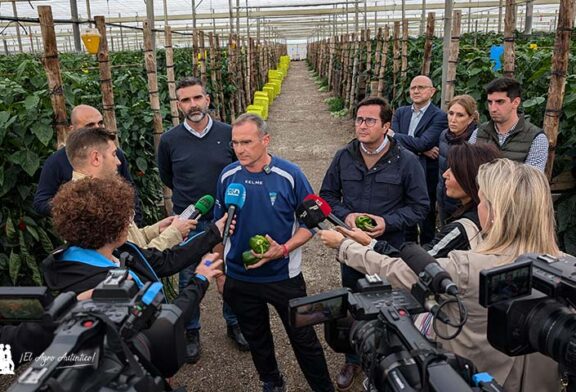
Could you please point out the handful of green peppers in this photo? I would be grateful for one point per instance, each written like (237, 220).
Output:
(365, 223)
(259, 244)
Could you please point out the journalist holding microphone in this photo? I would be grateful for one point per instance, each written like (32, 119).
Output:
(516, 216)
(93, 216)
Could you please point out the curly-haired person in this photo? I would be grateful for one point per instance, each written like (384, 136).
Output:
(92, 215)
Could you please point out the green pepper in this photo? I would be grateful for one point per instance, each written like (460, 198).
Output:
(365, 223)
(259, 244)
(248, 258)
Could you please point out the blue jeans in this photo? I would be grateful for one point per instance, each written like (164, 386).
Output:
(184, 277)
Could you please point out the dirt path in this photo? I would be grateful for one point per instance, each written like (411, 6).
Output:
(304, 132)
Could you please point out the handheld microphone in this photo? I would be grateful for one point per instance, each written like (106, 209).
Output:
(428, 269)
(327, 211)
(202, 206)
(309, 212)
(234, 199)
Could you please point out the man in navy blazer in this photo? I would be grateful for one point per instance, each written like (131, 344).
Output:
(418, 127)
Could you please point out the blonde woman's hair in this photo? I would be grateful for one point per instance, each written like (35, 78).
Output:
(520, 209)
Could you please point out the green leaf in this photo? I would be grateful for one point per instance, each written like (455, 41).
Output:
(33, 232)
(533, 102)
(33, 266)
(43, 132)
(14, 266)
(141, 164)
(45, 241)
(28, 160)
(31, 102)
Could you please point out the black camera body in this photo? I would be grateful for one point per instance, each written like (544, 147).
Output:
(123, 338)
(522, 320)
(394, 354)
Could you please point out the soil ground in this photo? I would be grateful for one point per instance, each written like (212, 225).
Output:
(304, 132)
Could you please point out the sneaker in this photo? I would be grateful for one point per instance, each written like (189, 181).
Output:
(192, 346)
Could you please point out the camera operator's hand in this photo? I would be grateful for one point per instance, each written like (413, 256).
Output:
(220, 223)
(209, 267)
(356, 234)
(331, 238)
(275, 251)
(184, 225)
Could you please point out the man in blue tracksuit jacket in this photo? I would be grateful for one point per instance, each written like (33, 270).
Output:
(274, 189)
(373, 175)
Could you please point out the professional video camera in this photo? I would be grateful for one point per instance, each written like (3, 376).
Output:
(122, 339)
(394, 354)
(540, 320)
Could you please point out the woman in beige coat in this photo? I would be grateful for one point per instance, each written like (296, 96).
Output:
(516, 217)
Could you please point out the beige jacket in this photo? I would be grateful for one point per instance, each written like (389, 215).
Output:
(149, 236)
(530, 373)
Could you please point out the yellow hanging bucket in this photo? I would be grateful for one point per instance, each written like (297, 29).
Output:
(91, 39)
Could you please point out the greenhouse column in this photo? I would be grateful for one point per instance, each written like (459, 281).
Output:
(75, 26)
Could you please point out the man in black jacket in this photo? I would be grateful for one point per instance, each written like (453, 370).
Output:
(57, 169)
(373, 175)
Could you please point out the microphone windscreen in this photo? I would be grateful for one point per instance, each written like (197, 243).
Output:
(204, 204)
(323, 204)
(310, 214)
(235, 195)
(415, 256)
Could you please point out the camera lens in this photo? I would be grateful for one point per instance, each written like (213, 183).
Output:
(552, 331)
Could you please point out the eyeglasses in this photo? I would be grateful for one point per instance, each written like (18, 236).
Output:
(419, 88)
(368, 120)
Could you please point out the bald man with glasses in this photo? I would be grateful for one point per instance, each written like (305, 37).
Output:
(418, 127)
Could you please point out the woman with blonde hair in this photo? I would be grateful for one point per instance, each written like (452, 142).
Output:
(516, 217)
(463, 119)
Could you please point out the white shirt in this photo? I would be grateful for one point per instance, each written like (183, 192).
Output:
(204, 131)
(416, 117)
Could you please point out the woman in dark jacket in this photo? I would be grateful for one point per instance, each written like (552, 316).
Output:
(463, 229)
(462, 121)
(92, 215)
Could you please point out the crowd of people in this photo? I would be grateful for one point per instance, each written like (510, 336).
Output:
(472, 195)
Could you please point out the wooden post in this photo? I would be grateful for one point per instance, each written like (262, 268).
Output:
(448, 5)
(157, 126)
(378, 53)
(18, 37)
(52, 67)
(214, 78)
(448, 92)
(218, 59)
(427, 60)
(354, 79)
(386, 45)
(232, 76)
(195, 67)
(558, 78)
(404, 66)
(31, 40)
(202, 57)
(170, 75)
(509, 27)
(105, 77)
(396, 57)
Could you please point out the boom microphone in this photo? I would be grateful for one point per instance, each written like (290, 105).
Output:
(203, 206)
(428, 269)
(309, 212)
(234, 199)
(327, 211)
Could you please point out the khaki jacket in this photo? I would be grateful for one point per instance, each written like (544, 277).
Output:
(149, 236)
(529, 373)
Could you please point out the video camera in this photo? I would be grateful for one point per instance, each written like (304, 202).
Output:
(122, 339)
(522, 321)
(394, 354)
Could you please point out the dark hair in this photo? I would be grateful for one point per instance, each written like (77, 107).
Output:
(385, 109)
(93, 212)
(463, 161)
(81, 140)
(190, 81)
(510, 86)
